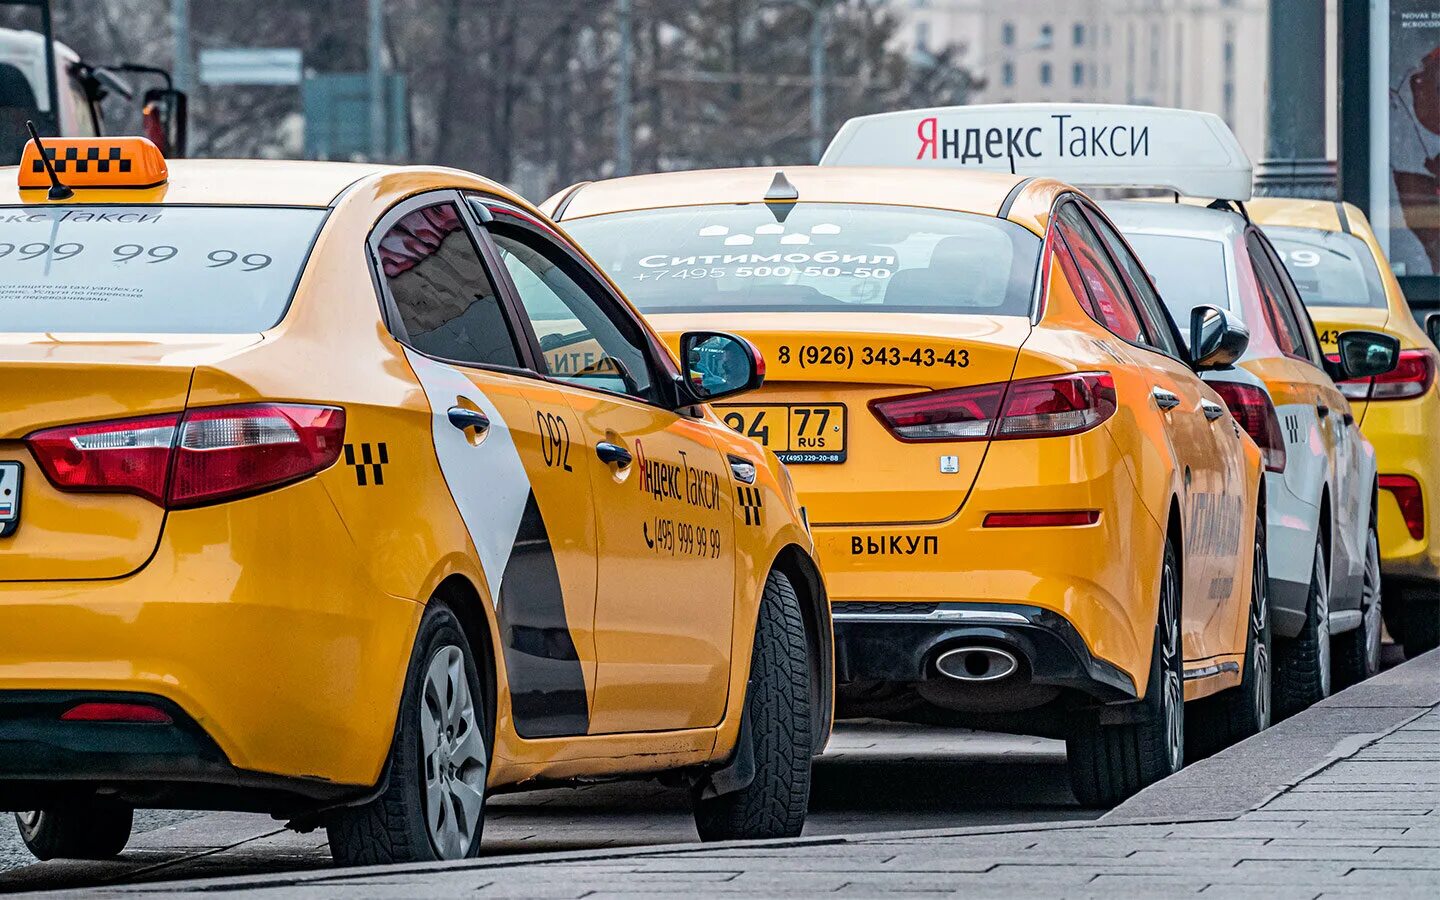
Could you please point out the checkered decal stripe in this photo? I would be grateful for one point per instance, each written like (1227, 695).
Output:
(751, 501)
(72, 160)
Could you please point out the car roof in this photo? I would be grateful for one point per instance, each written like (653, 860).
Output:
(973, 192)
(1153, 217)
(244, 182)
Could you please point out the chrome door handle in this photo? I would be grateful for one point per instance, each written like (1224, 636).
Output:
(1164, 399)
(463, 418)
(613, 453)
(1212, 410)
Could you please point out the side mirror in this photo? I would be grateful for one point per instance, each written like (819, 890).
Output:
(1432, 328)
(1216, 339)
(718, 365)
(164, 119)
(1364, 354)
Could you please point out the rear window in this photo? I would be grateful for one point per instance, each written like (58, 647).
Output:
(1188, 272)
(818, 257)
(150, 269)
(1329, 268)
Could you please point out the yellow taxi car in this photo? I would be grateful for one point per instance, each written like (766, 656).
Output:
(1032, 513)
(1346, 283)
(299, 520)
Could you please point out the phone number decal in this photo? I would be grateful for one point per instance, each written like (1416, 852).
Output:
(847, 357)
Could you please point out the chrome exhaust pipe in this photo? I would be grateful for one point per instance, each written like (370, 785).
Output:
(977, 664)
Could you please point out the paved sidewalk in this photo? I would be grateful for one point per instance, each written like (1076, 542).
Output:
(1342, 800)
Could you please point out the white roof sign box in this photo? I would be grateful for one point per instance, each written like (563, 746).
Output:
(1087, 144)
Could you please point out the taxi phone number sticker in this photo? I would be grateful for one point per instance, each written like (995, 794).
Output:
(846, 356)
(796, 433)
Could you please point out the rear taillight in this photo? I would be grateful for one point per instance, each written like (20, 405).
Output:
(1032, 407)
(1412, 376)
(1251, 407)
(202, 456)
(1411, 501)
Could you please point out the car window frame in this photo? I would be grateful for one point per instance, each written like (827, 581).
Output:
(1153, 316)
(1297, 303)
(664, 377)
(1259, 260)
(1125, 288)
(390, 310)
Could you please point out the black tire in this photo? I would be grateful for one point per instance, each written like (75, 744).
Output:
(1214, 723)
(1357, 652)
(1422, 621)
(1110, 762)
(774, 803)
(394, 826)
(85, 828)
(1302, 664)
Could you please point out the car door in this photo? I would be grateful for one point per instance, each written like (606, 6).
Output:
(1336, 432)
(1183, 407)
(507, 445)
(666, 573)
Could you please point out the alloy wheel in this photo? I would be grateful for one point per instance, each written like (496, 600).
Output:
(1321, 587)
(1172, 697)
(1370, 604)
(1260, 648)
(454, 758)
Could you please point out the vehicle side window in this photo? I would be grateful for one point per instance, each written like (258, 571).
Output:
(1106, 287)
(446, 301)
(1296, 305)
(1272, 298)
(583, 340)
(1151, 307)
(1072, 274)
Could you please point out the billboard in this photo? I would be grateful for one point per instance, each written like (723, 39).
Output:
(1405, 161)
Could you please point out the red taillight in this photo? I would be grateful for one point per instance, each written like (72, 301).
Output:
(1041, 519)
(1032, 407)
(1251, 407)
(1412, 376)
(208, 454)
(116, 712)
(1406, 491)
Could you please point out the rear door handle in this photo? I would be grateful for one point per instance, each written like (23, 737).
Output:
(613, 453)
(1164, 399)
(463, 418)
(1212, 410)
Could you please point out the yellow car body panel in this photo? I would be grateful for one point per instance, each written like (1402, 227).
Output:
(283, 623)
(894, 499)
(1402, 430)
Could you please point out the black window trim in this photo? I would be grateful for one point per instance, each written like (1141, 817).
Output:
(1296, 302)
(1256, 247)
(390, 313)
(663, 377)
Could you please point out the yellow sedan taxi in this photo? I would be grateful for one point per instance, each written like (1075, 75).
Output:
(299, 516)
(1032, 513)
(1346, 283)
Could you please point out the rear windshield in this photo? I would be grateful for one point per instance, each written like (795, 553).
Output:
(1329, 268)
(1188, 271)
(149, 269)
(818, 257)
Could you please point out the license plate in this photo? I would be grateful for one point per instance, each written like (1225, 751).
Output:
(795, 432)
(10, 474)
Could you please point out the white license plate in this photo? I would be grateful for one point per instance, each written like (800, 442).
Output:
(10, 473)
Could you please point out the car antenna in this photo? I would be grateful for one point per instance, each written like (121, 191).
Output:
(58, 190)
(781, 196)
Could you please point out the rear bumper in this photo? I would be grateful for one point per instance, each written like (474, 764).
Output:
(147, 764)
(1403, 432)
(899, 642)
(256, 619)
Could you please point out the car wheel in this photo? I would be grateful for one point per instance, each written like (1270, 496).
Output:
(1302, 664)
(1357, 652)
(433, 804)
(1214, 723)
(777, 706)
(1422, 622)
(1110, 762)
(89, 828)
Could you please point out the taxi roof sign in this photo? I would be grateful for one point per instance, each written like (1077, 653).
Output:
(1087, 144)
(94, 163)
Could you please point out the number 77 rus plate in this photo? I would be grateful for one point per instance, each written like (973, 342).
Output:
(795, 432)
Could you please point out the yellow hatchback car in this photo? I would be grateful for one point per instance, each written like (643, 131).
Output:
(299, 519)
(1032, 513)
(1345, 282)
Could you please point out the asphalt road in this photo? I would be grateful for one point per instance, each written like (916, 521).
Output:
(874, 777)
